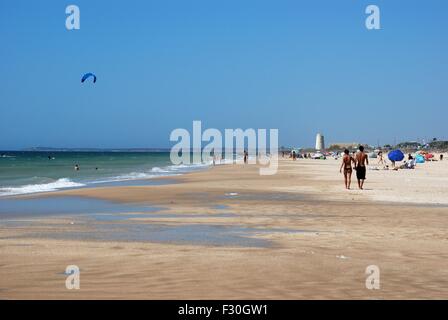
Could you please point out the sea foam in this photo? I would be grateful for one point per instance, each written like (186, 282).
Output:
(45, 187)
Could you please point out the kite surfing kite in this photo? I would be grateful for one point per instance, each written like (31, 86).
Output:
(88, 75)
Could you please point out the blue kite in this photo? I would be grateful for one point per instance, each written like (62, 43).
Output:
(88, 75)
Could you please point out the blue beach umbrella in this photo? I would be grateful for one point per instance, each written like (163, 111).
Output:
(419, 158)
(395, 155)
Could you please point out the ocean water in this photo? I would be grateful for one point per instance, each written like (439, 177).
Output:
(30, 172)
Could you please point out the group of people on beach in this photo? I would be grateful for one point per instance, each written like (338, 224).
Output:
(359, 160)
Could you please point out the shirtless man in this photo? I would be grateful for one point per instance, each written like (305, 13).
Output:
(346, 164)
(361, 160)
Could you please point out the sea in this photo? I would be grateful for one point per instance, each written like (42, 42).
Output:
(26, 172)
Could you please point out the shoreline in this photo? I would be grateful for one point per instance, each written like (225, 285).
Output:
(153, 176)
(318, 180)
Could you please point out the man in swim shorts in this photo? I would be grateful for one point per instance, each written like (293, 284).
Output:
(361, 161)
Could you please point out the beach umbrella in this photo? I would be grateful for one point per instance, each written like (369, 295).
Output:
(395, 155)
(419, 158)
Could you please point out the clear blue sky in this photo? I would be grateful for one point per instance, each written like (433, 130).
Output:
(299, 66)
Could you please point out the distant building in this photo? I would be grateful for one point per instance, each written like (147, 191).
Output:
(344, 145)
(320, 143)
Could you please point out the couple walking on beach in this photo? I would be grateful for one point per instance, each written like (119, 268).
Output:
(359, 161)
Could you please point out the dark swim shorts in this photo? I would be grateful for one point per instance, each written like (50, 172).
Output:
(361, 173)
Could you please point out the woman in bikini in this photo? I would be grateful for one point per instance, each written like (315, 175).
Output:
(380, 158)
(346, 164)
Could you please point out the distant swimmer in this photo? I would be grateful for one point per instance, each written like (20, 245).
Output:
(361, 161)
(346, 164)
(76, 167)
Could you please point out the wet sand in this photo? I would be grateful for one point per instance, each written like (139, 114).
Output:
(228, 232)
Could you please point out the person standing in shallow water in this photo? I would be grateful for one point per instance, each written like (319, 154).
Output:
(346, 164)
(245, 156)
(361, 161)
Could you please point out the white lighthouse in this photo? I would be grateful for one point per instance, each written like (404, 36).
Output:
(320, 144)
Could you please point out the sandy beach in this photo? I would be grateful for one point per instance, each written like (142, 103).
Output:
(228, 233)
